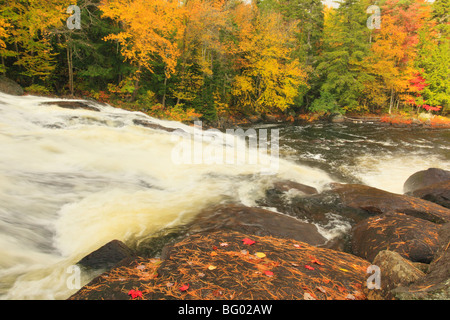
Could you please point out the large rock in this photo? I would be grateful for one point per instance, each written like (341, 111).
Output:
(438, 193)
(68, 104)
(336, 118)
(151, 125)
(376, 201)
(318, 208)
(425, 178)
(9, 86)
(413, 238)
(436, 283)
(256, 221)
(395, 271)
(221, 266)
(107, 256)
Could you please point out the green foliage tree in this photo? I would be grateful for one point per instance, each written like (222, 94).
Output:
(434, 56)
(346, 43)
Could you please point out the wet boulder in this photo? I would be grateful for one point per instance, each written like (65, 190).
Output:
(258, 221)
(376, 201)
(425, 178)
(107, 256)
(309, 206)
(280, 193)
(413, 238)
(438, 193)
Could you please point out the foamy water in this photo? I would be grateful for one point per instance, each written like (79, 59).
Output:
(72, 180)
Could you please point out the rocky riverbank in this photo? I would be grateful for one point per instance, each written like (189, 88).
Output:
(424, 119)
(232, 251)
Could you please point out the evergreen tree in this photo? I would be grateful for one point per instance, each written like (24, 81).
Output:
(346, 43)
(434, 56)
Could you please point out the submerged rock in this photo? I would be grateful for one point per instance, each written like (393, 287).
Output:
(151, 125)
(413, 238)
(71, 105)
(287, 185)
(107, 256)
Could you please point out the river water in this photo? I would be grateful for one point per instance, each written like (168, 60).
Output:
(72, 180)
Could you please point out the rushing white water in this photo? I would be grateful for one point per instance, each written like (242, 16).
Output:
(389, 172)
(72, 180)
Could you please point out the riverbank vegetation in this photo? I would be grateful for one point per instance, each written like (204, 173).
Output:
(228, 59)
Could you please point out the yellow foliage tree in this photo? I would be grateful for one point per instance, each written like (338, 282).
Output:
(151, 30)
(29, 25)
(269, 77)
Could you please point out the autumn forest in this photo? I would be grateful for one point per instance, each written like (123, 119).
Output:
(229, 58)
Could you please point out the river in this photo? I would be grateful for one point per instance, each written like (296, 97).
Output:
(72, 180)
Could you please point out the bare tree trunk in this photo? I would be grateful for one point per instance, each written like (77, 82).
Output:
(3, 63)
(391, 103)
(70, 67)
(164, 95)
(136, 84)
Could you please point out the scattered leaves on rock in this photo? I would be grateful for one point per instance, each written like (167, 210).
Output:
(240, 274)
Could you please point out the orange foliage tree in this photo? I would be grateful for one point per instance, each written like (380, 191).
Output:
(393, 53)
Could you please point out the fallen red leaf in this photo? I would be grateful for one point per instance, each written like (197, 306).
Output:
(135, 293)
(248, 241)
(268, 273)
(308, 267)
(214, 248)
(184, 287)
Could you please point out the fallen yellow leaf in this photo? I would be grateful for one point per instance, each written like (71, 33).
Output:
(260, 255)
(211, 267)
